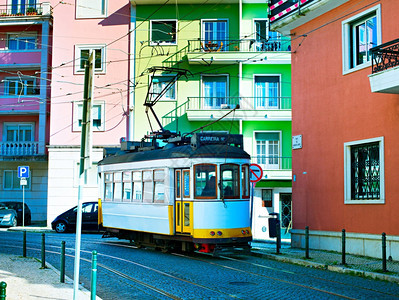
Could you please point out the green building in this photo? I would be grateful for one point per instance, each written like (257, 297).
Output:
(232, 59)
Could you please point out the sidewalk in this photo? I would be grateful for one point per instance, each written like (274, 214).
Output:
(355, 265)
(26, 280)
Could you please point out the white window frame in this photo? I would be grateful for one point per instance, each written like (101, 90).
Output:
(164, 98)
(79, 48)
(267, 165)
(347, 171)
(347, 27)
(82, 15)
(77, 117)
(20, 36)
(203, 89)
(279, 89)
(163, 43)
(5, 130)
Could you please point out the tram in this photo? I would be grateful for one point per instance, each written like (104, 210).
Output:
(193, 193)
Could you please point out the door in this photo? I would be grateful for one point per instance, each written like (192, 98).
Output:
(183, 207)
(285, 215)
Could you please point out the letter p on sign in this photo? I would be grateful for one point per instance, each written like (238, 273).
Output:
(23, 172)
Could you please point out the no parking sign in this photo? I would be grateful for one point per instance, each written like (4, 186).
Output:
(255, 173)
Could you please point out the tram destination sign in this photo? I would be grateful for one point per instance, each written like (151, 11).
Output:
(207, 138)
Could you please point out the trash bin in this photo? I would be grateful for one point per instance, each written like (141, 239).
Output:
(273, 221)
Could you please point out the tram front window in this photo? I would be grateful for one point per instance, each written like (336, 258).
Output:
(205, 181)
(230, 180)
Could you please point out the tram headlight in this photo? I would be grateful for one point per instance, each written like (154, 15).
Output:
(219, 233)
(212, 233)
(243, 231)
(247, 231)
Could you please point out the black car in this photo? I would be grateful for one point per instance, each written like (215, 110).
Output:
(17, 206)
(67, 220)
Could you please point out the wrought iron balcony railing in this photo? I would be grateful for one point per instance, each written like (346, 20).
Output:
(244, 45)
(248, 103)
(19, 148)
(385, 56)
(23, 9)
(273, 162)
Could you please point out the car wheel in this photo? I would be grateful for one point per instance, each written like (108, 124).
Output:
(14, 222)
(60, 227)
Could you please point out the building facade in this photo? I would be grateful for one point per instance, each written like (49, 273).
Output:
(25, 58)
(81, 28)
(232, 59)
(345, 94)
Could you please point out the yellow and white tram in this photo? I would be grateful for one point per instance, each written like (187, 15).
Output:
(193, 193)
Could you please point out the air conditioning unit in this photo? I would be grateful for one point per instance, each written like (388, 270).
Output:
(225, 106)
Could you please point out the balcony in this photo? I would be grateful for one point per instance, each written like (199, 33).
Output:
(285, 15)
(26, 59)
(12, 149)
(250, 108)
(24, 10)
(245, 50)
(385, 68)
(274, 167)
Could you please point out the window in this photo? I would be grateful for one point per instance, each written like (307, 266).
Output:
(245, 181)
(148, 186)
(159, 83)
(22, 41)
(82, 54)
(20, 6)
(364, 171)
(20, 87)
(159, 186)
(267, 92)
(91, 8)
(267, 198)
(230, 180)
(163, 32)
(109, 187)
(18, 132)
(12, 182)
(267, 149)
(215, 91)
(137, 187)
(118, 187)
(215, 32)
(360, 33)
(98, 116)
(127, 186)
(205, 181)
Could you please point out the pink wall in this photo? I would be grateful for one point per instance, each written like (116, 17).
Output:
(330, 109)
(110, 87)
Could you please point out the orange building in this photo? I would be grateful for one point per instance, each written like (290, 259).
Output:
(345, 116)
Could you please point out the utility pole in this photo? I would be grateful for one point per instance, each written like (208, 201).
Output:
(85, 160)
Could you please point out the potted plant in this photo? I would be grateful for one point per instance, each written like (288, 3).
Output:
(31, 11)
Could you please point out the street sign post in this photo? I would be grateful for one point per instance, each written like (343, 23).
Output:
(255, 174)
(23, 174)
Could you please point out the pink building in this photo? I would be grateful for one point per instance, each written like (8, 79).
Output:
(25, 59)
(345, 85)
(103, 27)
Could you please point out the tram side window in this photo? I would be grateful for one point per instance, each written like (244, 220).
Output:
(127, 187)
(108, 191)
(118, 186)
(159, 186)
(245, 181)
(137, 187)
(230, 180)
(205, 181)
(148, 186)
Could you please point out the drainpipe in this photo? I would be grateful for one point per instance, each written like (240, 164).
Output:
(132, 73)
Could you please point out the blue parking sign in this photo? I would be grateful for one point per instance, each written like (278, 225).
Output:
(23, 172)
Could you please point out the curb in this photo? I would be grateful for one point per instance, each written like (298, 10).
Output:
(32, 229)
(333, 268)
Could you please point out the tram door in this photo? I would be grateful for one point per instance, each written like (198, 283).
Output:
(183, 208)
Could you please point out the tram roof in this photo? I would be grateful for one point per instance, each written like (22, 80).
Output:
(185, 151)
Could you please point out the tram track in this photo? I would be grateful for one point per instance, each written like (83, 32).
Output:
(217, 264)
(288, 272)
